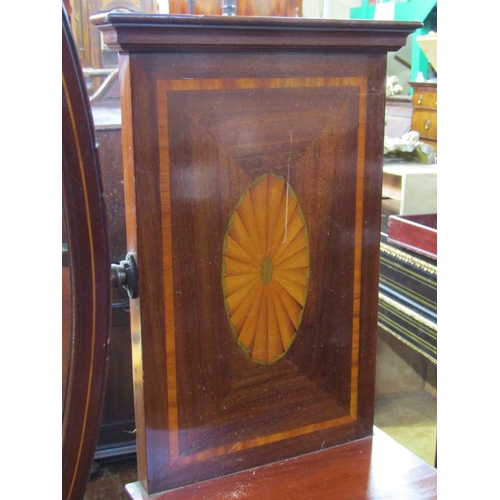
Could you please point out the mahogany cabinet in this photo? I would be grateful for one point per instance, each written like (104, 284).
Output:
(252, 152)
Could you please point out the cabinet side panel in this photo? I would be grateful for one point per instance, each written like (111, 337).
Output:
(149, 347)
(131, 234)
(374, 148)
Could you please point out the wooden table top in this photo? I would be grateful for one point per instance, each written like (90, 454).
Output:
(371, 468)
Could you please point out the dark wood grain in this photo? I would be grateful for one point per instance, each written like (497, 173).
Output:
(89, 268)
(153, 33)
(198, 129)
(374, 468)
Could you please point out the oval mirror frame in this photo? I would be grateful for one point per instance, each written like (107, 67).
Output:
(89, 271)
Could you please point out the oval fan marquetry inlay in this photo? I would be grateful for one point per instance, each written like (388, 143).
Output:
(266, 269)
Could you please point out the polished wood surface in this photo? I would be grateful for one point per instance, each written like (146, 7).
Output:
(155, 33)
(320, 402)
(373, 468)
(200, 128)
(89, 277)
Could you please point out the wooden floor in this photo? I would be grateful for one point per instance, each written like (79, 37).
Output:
(108, 480)
(411, 420)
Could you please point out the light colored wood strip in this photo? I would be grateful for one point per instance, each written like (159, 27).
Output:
(168, 276)
(254, 83)
(358, 243)
(263, 440)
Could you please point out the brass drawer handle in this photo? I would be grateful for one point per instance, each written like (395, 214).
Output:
(420, 98)
(427, 124)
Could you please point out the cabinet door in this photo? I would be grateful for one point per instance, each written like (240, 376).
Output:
(252, 196)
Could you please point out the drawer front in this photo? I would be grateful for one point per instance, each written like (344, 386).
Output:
(424, 99)
(425, 123)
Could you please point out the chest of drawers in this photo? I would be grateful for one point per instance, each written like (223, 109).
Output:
(424, 117)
